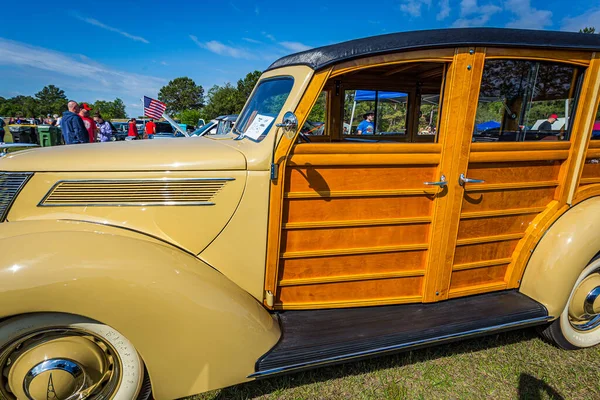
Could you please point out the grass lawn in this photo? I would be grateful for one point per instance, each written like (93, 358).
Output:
(514, 365)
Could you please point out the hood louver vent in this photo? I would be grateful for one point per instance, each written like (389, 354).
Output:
(123, 192)
(11, 184)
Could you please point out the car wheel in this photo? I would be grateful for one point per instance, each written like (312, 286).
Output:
(64, 356)
(579, 324)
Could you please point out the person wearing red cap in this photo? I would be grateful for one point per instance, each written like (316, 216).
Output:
(547, 125)
(89, 123)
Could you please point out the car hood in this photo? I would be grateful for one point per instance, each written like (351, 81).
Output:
(136, 155)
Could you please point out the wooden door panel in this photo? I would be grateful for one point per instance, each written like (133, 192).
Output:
(334, 179)
(376, 291)
(294, 240)
(500, 225)
(477, 276)
(515, 172)
(476, 253)
(356, 210)
(506, 199)
(324, 268)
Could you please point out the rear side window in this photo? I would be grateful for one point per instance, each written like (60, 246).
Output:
(526, 101)
(596, 128)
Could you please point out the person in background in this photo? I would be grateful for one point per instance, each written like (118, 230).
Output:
(18, 121)
(105, 130)
(547, 125)
(57, 118)
(2, 124)
(73, 128)
(366, 127)
(150, 130)
(132, 133)
(89, 123)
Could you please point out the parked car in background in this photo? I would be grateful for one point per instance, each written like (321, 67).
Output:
(120, 129)
(191, 265)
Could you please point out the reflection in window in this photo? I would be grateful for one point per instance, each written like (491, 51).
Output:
(315, 122)
(525, 100)
(428, 114)
(596, 128)
(264, 106)
(375, 112)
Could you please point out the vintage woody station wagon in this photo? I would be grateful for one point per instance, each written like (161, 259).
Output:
(374, 196)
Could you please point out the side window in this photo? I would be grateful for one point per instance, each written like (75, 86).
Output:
(525, 101)
(315, 123)
(375, 112)
(596, 128)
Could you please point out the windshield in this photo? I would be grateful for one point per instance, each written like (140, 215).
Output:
(203, 129)
(264, 106)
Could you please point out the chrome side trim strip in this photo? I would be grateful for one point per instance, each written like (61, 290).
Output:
(403, 346)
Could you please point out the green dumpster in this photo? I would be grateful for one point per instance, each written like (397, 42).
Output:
(49, 135)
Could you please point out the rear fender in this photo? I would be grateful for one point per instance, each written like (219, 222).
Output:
(565, 250)
(194, 328)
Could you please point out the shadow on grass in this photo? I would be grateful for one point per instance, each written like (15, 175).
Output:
(529, 387)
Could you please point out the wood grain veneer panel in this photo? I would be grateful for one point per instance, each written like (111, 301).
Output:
(501, 225)
(484, 251)
(366, 148)
(591, 170)
(351, 291)
(353, 237)
(535, 171)
(305, 179)
(352, 264)
(478, 276)
(356, 208)
(507, 199)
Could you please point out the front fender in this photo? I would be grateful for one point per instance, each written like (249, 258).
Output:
(565, 250)
(194, 328)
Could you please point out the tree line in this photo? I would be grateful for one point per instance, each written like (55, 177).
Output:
(187, 101)
(52, 100)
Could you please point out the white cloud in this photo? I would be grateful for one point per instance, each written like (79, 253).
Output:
(413, 7)
(589, 18)
(295, 46)
(87, 72)
(269, 36)
(444, 10)
(527, 16)
(472, 14)
(256, 10)
(223, 50)
(99, 24)
(254, 41)
(236, 8)
(163, 63)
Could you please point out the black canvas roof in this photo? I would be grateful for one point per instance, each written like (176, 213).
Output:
(415, 40)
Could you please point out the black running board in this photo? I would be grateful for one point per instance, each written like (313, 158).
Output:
(315, 338)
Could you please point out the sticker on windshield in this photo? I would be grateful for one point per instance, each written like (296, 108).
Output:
(258, 126)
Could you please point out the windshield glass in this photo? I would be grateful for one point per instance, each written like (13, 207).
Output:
(264, 106)
(203, 128)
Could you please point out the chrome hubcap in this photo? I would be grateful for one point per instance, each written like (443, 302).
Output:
(70, 379)
(61, 364)
(584, 305)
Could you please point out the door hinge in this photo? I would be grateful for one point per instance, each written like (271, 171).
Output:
(274, 171)
(269, 298)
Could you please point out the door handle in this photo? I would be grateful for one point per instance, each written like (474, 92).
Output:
(462, 179)
(441, 183)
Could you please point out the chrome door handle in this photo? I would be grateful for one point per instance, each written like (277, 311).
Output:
(441, 183)
(462, 179)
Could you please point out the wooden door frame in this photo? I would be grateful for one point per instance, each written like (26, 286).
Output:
(461, 96)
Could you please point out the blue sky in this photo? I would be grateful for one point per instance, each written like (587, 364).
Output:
(100, 51)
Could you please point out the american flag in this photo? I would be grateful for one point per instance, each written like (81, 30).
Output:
(153, 108)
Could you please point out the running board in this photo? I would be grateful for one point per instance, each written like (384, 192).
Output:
(315, 338)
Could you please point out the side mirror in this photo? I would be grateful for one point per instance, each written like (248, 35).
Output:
(289, 123)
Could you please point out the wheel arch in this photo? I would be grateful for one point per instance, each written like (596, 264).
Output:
(566, 248)
(194, 329)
